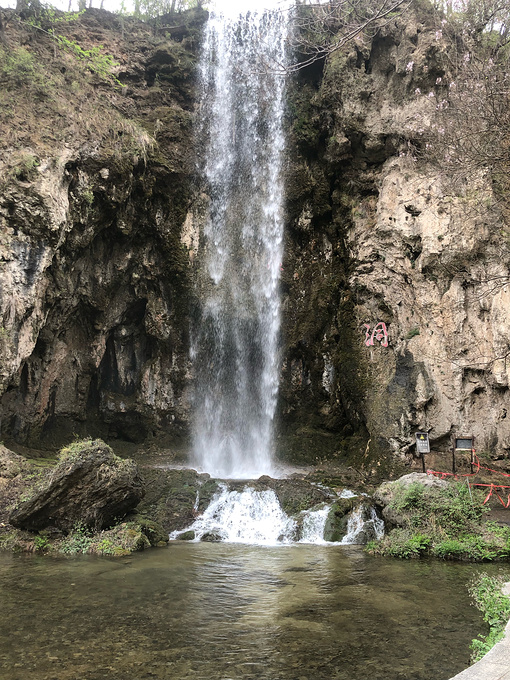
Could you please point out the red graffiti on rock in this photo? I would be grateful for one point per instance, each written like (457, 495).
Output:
(380, 333)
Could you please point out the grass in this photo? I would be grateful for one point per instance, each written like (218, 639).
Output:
(486, 593)
(447, 523)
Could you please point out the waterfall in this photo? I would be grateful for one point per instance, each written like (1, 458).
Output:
(256, 517)
(235, 338)
(363, 521)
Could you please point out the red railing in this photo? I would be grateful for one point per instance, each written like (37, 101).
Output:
(492, 487)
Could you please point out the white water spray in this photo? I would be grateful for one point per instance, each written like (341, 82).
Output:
(256, 517)
(372, 526)
(235, 344)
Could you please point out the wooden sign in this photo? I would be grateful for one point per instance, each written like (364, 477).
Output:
(464, 443)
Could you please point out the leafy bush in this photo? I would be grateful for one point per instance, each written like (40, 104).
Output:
(41, 543)
(78, 541)
(486, 593)
(19, 68)
(445, 522)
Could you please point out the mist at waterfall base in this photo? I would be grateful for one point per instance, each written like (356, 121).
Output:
(236, 333)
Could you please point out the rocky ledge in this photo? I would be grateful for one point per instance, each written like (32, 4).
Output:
(90, 500)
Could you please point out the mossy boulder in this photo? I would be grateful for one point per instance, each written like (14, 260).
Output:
(386, 494)
(175, 497)
(338, 517)
(294, 495)
(90, 486)
(186, 536)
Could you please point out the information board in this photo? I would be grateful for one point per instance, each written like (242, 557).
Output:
(422, 442)
(464, 443)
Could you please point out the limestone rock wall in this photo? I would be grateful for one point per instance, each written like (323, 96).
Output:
(97, 245)
(397, 315)
(94, 290)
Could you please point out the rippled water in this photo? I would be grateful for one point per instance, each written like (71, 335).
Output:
(220, 612)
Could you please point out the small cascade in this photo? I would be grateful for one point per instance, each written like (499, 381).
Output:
(256, 517)
(314, 522)
(246, 516)
(363, 525)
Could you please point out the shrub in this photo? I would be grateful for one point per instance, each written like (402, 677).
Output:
(486, 593)
(19, 68)
(78, 541)
(444, 522)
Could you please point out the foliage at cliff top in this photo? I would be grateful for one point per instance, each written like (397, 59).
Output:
(63, 83)
(447, 522)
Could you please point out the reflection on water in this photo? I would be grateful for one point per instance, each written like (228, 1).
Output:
(232, 612)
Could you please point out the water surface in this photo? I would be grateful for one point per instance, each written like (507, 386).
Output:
(232, 612)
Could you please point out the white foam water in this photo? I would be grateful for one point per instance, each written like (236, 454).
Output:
(358, 524)
(246, 516)
(256, 517)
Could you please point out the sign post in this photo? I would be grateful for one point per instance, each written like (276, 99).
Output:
(422, 446)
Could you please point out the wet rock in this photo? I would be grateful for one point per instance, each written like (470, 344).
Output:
(211, 537)
(90, 486)
(174, 498)
(338, 517)
(294, 495)
(186, 536)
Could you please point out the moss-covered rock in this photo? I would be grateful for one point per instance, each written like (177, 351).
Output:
(173, 498)
(338, 517)
(11, 464)
(90, 485)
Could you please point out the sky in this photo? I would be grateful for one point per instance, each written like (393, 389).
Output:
(228, 7)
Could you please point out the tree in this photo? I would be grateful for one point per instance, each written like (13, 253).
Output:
(322, 29)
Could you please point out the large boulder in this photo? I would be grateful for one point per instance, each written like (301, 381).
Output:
(11, 464)
(89, 486)
(174, 498)
(386, 493)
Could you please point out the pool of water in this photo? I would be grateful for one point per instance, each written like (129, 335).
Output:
(232, 612)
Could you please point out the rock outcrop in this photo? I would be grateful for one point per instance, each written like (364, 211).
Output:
(11, 464)
(396, 282)
(94, 294)
(90, 486)
(396, 313)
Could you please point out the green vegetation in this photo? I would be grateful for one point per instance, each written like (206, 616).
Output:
(442, 522)
(412, 333)
(495, 607)
(95, 59)
(25, 168)
(78, 541)
(18, 68)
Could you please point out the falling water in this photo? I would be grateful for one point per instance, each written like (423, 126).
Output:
(256, 517)
(235, 345)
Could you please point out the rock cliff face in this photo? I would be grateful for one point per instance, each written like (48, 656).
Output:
(95, 186)
(396, 297)
(397, 285)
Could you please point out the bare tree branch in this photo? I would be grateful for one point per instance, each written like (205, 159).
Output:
(323, 29)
